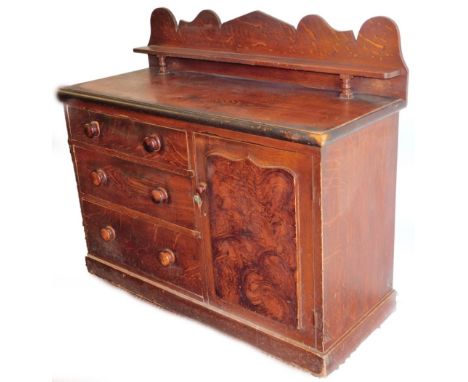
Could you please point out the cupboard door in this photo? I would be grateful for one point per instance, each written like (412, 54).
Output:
(249, 198)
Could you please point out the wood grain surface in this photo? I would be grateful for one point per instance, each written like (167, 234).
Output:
(265, 40)
(358, 199)
(247, 178)
(295, 353)
(137, 245)
(264, 178)
(131, 185)
(253, 236)
(127, 136)
(280, 110)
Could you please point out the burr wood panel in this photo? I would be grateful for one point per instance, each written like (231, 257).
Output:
(261, 251)
(253, 236)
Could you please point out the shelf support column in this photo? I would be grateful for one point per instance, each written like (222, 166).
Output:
(346, 90)
(162, 64)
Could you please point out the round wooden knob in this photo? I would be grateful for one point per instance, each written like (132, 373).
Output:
(107, 233)
(166, 257)
(91, 129)
(152, 144)
(160, 195)
(98, 177)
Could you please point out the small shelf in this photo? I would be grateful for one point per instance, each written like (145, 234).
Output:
(308, 65)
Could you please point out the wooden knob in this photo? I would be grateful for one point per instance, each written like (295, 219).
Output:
(166, 257)
(160, 195)
(152, 144)
(91, 129)
(107, 233)
(98, 177)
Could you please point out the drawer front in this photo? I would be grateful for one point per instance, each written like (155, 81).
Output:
(158, 145)
(145, 248)
(142, 188)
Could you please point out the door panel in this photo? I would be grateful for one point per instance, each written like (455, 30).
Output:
(252, 220)
(258, 243)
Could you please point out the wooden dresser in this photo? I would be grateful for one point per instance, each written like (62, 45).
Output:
(246, 178)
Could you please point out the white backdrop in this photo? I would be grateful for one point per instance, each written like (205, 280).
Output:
(60, 322)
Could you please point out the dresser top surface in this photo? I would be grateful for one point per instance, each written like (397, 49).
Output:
(278, 110)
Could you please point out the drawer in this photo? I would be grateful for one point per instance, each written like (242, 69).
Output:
(145, 248)
(158, 145)
(154, 192)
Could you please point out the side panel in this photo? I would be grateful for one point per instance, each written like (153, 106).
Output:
(358, 212)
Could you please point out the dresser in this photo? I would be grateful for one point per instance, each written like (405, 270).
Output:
(246, 178)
